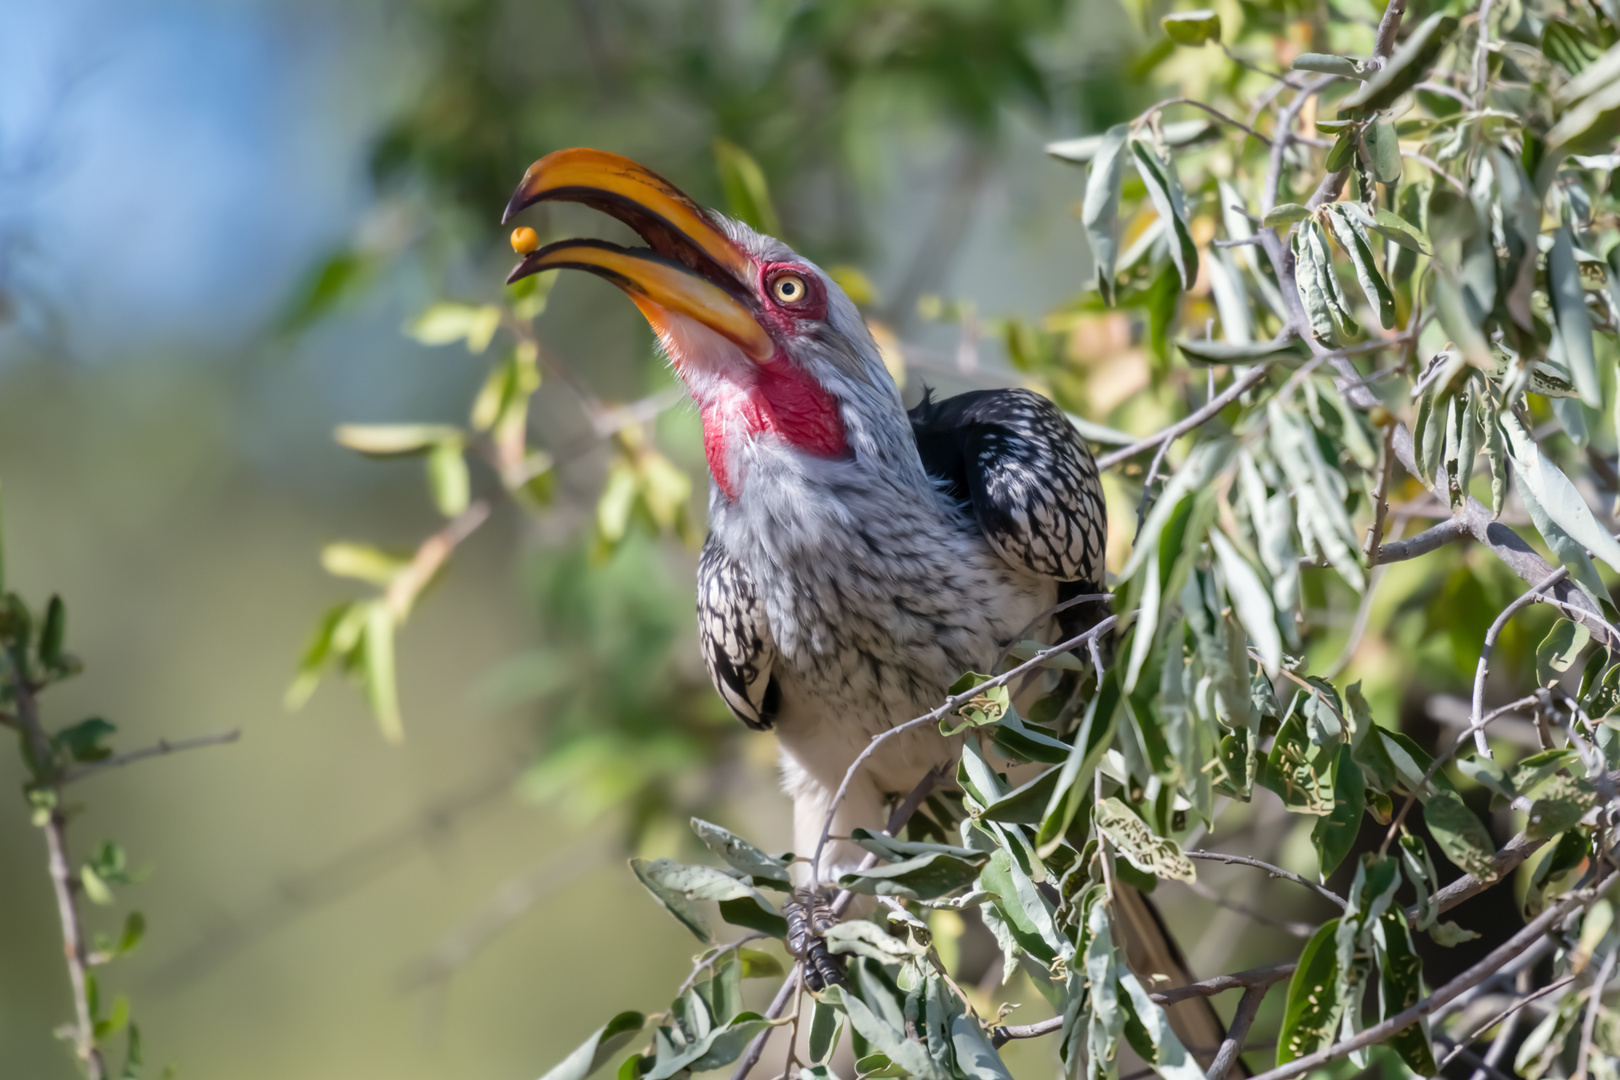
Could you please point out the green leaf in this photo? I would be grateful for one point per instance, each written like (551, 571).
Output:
(394, 440)
(825, 1024)
(1149, 853)
(909, 1055)
(1252, 600)
(714, 1049)
(986, 707)
(447, 477)
(1568, 299)
(1170, 1058)
(976, 1056)
(134, 931)
(1559, 650)
(594, 1051)
(673, 899)
(1027, 913)
(1392, 226)
(1313, 276)
(362, 562)
(51, 634)
(861, 937)
(1192, 27)
(1460, 835)
(1555, 494)
(447, 323)
(378, 667)
(1342, 151)
(1284, 214)
(1086, 148)
(1401, 987)
(922, 877)
(1354, 241)
(1100, 211)
(1311, 1014)
(1385, 151)
(754, 912)
(765, 869)
(1335, 834)
(1405, 69)
(1164, 188)
(82, 741)
(748, 196)
(1199, 350)
(759, 965)
(1329, 64)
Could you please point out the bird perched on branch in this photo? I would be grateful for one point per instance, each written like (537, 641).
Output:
(859, 558)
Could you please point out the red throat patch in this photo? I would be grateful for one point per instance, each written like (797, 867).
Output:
(784, 402)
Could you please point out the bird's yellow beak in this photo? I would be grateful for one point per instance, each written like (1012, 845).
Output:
(690, 268)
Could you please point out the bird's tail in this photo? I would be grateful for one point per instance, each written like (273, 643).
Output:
(1154, 957)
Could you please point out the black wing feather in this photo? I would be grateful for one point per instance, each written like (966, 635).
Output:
(1030, 479)
(736, 637)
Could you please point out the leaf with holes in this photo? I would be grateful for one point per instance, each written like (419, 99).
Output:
(1142, 848)
(1313, 1008)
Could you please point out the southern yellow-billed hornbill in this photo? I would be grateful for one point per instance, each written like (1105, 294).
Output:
(859, 558)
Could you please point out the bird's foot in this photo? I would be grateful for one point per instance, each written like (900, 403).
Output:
(809, 916)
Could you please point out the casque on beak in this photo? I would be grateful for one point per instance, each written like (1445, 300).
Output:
(690, 267)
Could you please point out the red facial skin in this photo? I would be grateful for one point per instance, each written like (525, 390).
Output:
(783, 400)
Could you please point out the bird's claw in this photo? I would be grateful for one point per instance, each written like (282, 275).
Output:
(809, 916)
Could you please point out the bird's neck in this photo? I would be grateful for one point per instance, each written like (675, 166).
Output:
(782, 402)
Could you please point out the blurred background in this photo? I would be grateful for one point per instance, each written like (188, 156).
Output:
(216, 217)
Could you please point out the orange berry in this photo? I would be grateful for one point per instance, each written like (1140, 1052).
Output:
(524, 239)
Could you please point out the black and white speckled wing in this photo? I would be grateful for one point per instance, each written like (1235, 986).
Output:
(736, 639)
(1030, 479)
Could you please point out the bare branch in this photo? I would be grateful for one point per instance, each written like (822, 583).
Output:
(1242, 1020)
(1215, 404)
(1491, 635)
(1431, 539)
(430, 556)
(163, 746)
(1274, 871)
(1593, 1004)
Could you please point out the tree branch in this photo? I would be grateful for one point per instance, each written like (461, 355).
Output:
(60, 868)
(1430, 539)
(1214, 405)
(1242, 1020)
(161, 747)
(1274, 871)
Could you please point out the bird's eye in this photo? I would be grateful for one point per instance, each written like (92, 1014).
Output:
(788, 288)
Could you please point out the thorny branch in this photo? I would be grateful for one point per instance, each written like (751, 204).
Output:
(161, 747)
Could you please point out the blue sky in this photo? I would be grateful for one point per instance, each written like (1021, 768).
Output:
(172, 167)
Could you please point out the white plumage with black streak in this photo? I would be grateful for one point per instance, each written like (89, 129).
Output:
(860, 558)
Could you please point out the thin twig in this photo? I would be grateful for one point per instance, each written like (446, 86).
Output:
(790, 986)
(1472, 731)
(1255, 977)
(1589, 1024)
(1216, 113)
(1274, 871)
(1509, 1013)
(163, 746)
(950, 705)
(60, 868)
(1210, 408)
(1491, 635)
(1375, 534)
(1287, 926)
